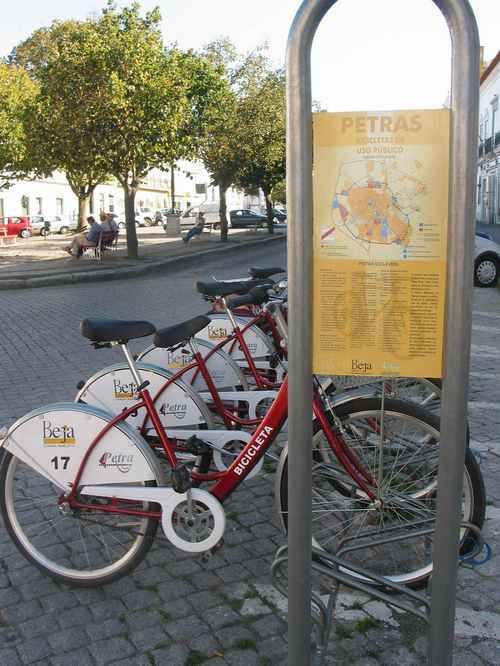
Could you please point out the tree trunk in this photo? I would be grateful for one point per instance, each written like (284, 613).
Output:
(223, 213)
(269, 211)
(83, 209)
(129, 193)
(172, 186)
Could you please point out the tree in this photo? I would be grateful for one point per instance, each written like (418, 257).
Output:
(262, 137)
(278, 193)
(17, 92)
(157, 101)
(67, 121)
(221, 149)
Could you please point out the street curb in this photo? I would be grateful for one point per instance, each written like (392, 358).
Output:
(79, 277)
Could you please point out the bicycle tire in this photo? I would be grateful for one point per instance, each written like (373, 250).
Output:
(62, 546)
(419, 501)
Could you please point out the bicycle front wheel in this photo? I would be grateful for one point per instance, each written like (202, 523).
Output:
(399, 446)
(83, 548)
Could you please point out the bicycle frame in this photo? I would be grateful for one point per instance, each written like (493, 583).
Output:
(227, 481)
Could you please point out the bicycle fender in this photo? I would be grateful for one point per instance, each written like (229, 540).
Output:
(114, 390)
(224, 371)
(54, 439)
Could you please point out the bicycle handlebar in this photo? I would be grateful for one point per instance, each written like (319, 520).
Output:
(255, 296)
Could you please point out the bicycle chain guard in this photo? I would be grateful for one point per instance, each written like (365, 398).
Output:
(194, 521)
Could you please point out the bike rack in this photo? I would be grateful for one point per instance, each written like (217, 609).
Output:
(463, 145)
(339, 572)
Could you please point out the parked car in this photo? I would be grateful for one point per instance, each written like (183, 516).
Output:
(246, 218)
(40, 225)
(486, 260)
(61, 225)
(16, 226)
(145, 217)
(279, 215)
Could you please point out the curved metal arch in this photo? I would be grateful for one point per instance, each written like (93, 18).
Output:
(464, 121)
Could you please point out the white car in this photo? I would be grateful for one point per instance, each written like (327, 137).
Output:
(145, 217)
(486, 261)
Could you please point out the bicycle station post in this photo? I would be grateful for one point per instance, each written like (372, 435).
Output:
(457, 332)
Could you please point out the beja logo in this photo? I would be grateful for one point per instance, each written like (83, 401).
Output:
(127, 391)
(215, 333)
(61, 435)
(360, 366)
(119, 460)
(178, 360)
(178, 409)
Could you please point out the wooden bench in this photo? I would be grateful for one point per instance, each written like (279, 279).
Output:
(108, 240)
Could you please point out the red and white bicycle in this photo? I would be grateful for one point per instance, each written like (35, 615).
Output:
(82, 492)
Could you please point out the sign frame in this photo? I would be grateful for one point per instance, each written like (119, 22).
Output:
(458, 318)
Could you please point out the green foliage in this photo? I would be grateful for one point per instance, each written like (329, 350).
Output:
(17, 92)
(262, 136)
(66, 123)
(278, 193)
(158, 100)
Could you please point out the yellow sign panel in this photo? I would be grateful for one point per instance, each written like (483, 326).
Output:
(380, 233)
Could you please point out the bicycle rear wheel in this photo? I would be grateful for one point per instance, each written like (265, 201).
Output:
(399, 446)
(77, 547)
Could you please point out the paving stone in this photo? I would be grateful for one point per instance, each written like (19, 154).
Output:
(232, 573)
(59, 601)
(145, 639)
(221, 616)
(242, 658)
(38, 588)
(488, 650)
(9, 596)
(143, 619)
(205, 644)
(33, 650)
(229, 637)
(176, 655)
(9, 657)
(105, 629)
(203, 600)
(110, 608)
(137, 660)
(273, 646)
(268, 626)
(22, 611)
(175, 590)
(75, 617)
(184, 629)
(39, 626)
(67, 640)
(111, 649)
(140, 599)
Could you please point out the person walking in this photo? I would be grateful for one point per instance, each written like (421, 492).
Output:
(88, 239)
(197, 229)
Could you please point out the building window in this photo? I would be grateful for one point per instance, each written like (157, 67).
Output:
(111, 203)
(25, 205)
(201, 188)
(38, 206)
(101, 203)
(59, 207)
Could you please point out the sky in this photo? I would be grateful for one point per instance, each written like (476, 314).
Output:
(368, 54)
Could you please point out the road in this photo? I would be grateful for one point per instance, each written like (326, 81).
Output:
(175, 610)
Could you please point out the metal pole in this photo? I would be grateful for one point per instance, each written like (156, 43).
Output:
(465, 91)
(464, 123)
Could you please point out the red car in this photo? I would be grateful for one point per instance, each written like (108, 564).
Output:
(15, 226)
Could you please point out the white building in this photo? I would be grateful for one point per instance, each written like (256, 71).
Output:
(488, 183)
(53, 196)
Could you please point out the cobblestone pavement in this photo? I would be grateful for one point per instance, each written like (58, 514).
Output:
(174, 609)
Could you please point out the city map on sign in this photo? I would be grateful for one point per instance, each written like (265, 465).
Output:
(376, 202)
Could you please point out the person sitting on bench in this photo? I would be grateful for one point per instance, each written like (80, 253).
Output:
(197, 229)
(81, 241)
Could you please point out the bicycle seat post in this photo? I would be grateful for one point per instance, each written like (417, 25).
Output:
(229, 313)
(131, 363)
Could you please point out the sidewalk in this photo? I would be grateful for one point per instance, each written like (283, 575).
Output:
(41, 262)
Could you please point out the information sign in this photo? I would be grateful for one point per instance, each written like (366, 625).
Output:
(380, 236)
